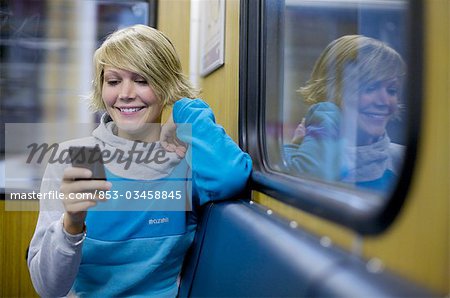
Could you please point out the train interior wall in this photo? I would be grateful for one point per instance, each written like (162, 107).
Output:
(416, 246)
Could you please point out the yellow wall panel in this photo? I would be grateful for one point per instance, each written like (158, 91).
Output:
(221, 88)
(16, 229)
(174, 20)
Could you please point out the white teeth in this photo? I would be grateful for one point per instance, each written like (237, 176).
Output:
(378, 115)
(129, 110)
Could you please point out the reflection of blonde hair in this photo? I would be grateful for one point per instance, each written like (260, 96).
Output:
(147, 52)
(347, 64)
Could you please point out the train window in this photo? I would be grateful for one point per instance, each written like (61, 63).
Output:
(39, 40)
(46, 50)
(330, 104)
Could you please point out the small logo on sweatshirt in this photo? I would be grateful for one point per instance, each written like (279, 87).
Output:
(155, 221)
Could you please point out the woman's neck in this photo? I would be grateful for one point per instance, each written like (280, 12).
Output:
(149, 133)
(365, 140)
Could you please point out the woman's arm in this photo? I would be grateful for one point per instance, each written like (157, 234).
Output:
(55, 250)
(220, 169)
(319, 154)
(53, 257)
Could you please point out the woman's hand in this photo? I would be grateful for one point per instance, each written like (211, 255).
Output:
(79, 196)
(299, 133)
(169, 140)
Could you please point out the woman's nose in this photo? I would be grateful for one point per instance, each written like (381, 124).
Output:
(127, 91)
(384, 97)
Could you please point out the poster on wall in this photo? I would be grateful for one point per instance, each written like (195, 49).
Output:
(212, 34)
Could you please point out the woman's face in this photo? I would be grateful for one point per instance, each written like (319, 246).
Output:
(131, 103)
(377, 104)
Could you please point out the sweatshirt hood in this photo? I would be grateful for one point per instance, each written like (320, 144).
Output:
(132, 159)
(369, 162)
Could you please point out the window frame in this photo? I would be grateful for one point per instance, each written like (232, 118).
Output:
(343, 206)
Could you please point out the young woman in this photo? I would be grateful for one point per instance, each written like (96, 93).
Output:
(138, 251)
(354, 92)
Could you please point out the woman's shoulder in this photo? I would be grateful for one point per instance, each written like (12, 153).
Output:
(396, 154)
(190, 103)
(323, 114)
(188, 110)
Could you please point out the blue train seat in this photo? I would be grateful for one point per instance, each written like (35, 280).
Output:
(241, 251)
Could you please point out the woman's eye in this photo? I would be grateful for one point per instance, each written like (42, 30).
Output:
(141, 82)
(112, 82)
(392, 91)
(370, 88)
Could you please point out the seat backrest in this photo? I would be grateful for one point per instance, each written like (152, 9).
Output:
(241, 251)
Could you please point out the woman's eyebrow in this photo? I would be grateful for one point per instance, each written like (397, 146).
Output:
(136, 75)
(395, 79)
(110, 71)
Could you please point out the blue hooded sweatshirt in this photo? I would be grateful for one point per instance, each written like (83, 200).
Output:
(137, 252)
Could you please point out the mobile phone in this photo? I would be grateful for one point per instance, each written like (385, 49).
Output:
(88, 158)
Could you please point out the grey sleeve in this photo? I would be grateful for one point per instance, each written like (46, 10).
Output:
(54, 256)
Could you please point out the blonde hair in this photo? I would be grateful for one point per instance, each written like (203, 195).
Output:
(147, 52)
(347, 64)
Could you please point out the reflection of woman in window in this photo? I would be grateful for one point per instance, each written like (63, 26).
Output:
(354, 91)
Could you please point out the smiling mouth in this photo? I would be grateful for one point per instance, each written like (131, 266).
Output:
(130, 110)
(377, 115)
